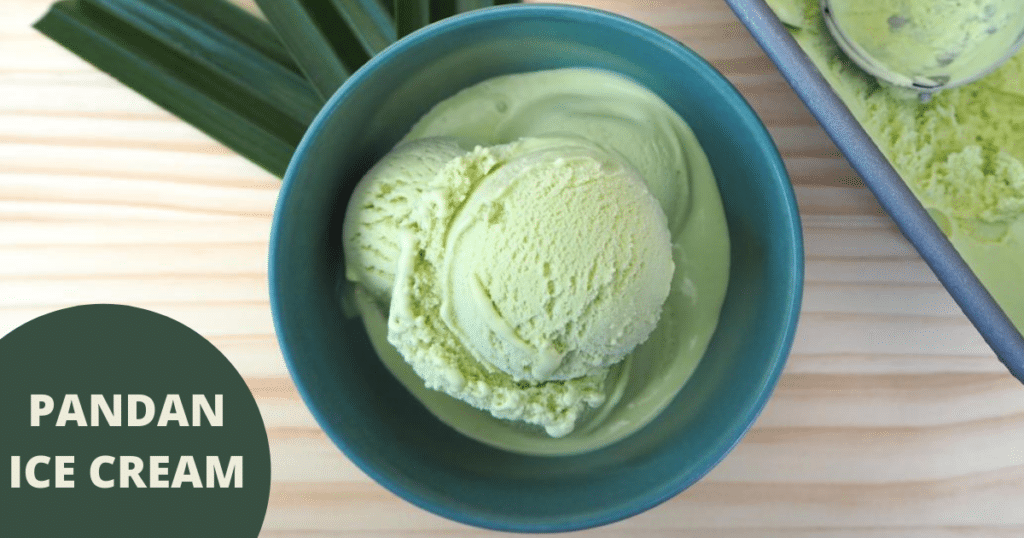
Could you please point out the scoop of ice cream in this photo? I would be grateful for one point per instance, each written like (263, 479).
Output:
(437, 352)
(381, 201)
(558, 264)
(543, 259)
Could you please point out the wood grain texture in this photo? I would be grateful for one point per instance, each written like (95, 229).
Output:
(893, 418)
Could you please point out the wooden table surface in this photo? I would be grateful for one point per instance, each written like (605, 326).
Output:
(893, 417)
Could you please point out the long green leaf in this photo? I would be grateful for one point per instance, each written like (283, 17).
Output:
(227, 72)
(411, 15)
(243, 118)
(469, 5)
(323, 45)
(238, 23)
(231, 55)
(370, 21)
(441, 9)
(330, 39)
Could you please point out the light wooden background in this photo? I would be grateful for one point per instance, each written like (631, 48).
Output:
(893, 418)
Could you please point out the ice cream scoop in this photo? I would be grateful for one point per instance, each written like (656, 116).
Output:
(926, 45)
(558, 264)
(505, 267)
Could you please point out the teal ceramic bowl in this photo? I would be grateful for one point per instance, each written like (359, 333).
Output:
(393, 438)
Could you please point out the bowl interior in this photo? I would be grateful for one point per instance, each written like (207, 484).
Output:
(388, 433)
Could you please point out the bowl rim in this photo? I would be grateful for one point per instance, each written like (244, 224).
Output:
(794, 258)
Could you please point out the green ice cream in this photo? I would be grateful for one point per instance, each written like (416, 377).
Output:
(547, 248)
(962, 153)
(557, 264)
(927, 40)
(545, 259)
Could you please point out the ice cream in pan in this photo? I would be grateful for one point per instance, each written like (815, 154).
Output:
(542, 259)
(962, 152)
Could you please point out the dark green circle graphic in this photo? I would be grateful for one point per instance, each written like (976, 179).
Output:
(86, 376)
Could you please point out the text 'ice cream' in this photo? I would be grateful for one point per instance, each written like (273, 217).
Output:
(524, 241)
